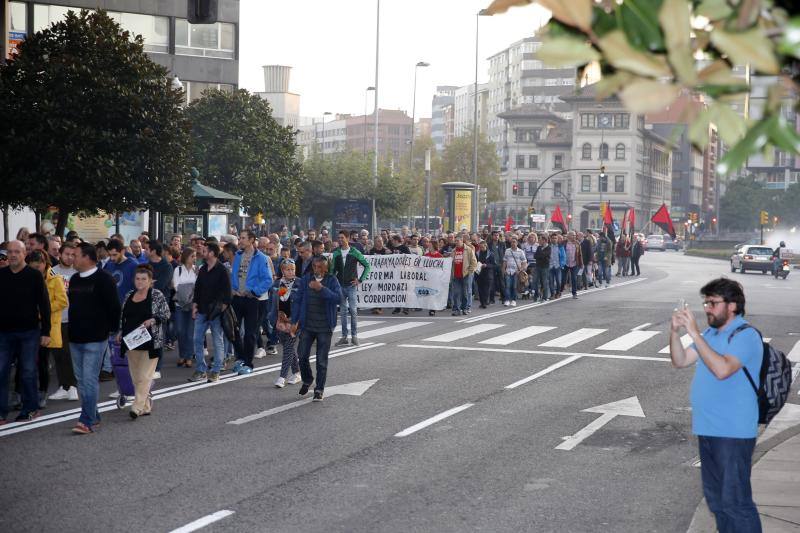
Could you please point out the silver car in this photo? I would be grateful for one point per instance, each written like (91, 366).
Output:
(752, 257)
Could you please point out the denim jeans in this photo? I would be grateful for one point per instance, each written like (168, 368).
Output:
(184, 328)
(26, 345)
(201, 324)
(604, 272)
(511, 287)
(543, 279)
(573, 278)
(555, 280)
(725, 468)
(468, 292)
(323, 339)
(459, 286)
(347, 307)
(106, 361)
(86, 360)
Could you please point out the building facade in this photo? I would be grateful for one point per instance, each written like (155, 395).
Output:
(285, 105)
(202, 56)
(444, 97)
(464, 109)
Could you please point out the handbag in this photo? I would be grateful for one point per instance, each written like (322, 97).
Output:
(522, 275)
(284, 325)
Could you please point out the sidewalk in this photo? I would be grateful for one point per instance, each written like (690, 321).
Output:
(776, 491)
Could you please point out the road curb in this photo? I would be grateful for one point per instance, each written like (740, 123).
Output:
(703, 520)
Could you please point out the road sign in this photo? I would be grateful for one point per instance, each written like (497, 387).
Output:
(351, 389)
(538, 217)
(627, 407)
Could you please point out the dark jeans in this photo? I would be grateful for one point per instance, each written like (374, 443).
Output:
(246, 309)
(635, 265)
(323, 339)
(543, 281)
(725, 468)
(63, 360)
(485, 282)
(26, 345)
(184, 327)
(572, 272)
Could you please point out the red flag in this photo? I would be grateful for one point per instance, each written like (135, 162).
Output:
(662, 219)
(490, 223)
(632, 219)
(509, 222)
(558, 219)
(608, 222)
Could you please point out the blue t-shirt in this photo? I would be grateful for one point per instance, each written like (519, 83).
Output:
(727, 407)
(123, 274)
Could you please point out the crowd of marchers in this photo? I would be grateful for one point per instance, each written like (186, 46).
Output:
(124, 310)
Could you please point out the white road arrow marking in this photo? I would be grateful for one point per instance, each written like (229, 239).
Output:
(627, 407)
(351, 389)
(794, 354)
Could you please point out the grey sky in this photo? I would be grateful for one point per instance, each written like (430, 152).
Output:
(331, 46)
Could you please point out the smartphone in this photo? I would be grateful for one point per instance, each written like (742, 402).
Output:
(681, 304)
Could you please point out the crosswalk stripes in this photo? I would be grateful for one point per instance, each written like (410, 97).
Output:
(402, 326)
(686, 340)
(794, 353)
(518, 335)
(628, 341)
(361, 324)
(465, 332)
(565, 341)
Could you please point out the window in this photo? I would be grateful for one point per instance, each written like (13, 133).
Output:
(603, 183)
(557, 192)
(603, 152)
(619, 183)
(532, 186)
(207, 40)
(588, 120)
(621, 121)
(558, 161)
(520, 161)
(533, 161)
(195, 89)
(620, 151)
(17, 11)
(586, 183)
(586, 151)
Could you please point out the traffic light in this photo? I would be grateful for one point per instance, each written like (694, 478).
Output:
(602, 179)
(531, 210)
(774, 221)
(202, 11)
(514, 189)
(764, 218)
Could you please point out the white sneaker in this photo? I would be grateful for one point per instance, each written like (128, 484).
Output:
(513, 303)
(506, 303)
(260, 353)
(60, 394)
(114, 395)
(294, 379)
(205, 352)
(72, 394)
(156, 375)
(280, 382)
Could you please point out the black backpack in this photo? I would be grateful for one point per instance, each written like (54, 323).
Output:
(775, 379)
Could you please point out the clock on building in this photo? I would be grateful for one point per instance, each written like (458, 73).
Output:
(605, 120)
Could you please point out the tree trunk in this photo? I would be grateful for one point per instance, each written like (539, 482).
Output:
(63, 216)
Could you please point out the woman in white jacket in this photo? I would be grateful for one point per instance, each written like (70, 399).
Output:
(183, 279)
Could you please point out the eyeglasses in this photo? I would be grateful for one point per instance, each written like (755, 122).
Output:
(712, 303)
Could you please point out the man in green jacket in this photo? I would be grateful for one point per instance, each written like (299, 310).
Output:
(345, 262)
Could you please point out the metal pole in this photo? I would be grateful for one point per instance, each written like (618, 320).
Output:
(474, 221)
(375, 157)
(365, 121)
(413, 119)
(427, 189)
(323, 137)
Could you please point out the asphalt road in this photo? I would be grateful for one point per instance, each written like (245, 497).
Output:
(362, 462)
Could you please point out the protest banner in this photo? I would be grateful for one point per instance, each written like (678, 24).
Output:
(406, 281)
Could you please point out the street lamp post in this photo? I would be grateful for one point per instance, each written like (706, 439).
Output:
(414, 111)
(427, 190)
(326, 113)
(370, 88)
(474, 221)
(375, 156)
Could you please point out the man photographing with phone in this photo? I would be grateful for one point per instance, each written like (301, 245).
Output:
(724, 405)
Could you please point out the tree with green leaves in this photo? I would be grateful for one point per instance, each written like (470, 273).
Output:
(88, 123)
(239, 147)
(457, 160)
(649, 51)
(349, 175)
(742, 202)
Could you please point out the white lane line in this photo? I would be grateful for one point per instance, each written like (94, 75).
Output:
(73, 414)
(642, 326)
(391, 329)
(686, 341)
(361, 324)
(565, 341)
(519, 308)
(628, 341)
(429, 422)
(541, 373)
(200, 523)
(794, 354)
(462, 333)
(518, 335)
(767, 339)
(534, 352)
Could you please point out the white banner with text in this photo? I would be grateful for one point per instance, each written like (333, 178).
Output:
(406, 281)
